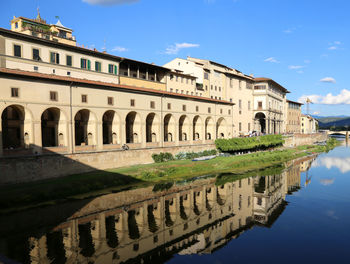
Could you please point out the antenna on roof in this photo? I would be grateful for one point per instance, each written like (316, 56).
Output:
(308, 102)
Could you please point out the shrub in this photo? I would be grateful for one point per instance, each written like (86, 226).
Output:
(162, 157)
(251, 143)
(192, 155)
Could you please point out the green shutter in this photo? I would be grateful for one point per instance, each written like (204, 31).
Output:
(88, 64)
(82, 63)
(115, 69)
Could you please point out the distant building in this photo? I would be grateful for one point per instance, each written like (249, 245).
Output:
(308, 124)
(293, 122)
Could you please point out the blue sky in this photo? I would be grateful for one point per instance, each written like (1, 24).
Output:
(302, 44)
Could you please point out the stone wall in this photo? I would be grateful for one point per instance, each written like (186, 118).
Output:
(33, 168)
(304, 139)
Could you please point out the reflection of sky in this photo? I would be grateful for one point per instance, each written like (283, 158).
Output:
(343, 164)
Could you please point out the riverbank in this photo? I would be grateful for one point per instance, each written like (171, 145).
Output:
(92, 184)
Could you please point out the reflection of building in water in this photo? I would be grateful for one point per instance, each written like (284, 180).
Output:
(141, 226)
(305, 165)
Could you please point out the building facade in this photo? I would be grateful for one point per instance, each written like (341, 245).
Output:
(308, 124)
(293, 122)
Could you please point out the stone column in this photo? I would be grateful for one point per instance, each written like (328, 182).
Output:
(99, 135)
(37, 137)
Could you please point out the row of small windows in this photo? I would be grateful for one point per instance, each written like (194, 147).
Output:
(183, 92)
(181, 79)
(110, 101)
(55, 59)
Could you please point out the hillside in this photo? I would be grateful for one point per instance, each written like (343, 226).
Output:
(337, 122)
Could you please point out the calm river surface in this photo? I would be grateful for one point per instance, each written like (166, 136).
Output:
(297, 215)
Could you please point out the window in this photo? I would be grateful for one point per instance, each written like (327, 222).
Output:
(260, 105)
(16, 25)
(216, 88)
(229, 111)
(219, 88)
(177, 78)
(206, 87)
(69, 60)
(54, 57)
(36, 55)
(110, 101)
(85, 64)
(153, 104)
(36, 68)
(240, 104)
(97, 66)
(112, 69)
(260, 87)
(53, 96)
(248, 105)
(240, 85)
(211, 87)
(14, 92)
(209, 110)
(220, 111)
(84, 98)
(197, 108)
(206, 76)
(240, 126)
(169, 106)
(17, 51)
(132, 102)
(183, 107)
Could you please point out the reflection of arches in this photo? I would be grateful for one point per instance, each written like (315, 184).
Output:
(49, 127)
(12, 120)
(197, 128)
(221, 128)
(85, 240)
(111, 233)
(184, 128)
(152, 224)
(209, 128)
(110, 127)
(132, 127)
(262, 121)
(81, 121)
(152, 127)
(169, 128)
(55, 247)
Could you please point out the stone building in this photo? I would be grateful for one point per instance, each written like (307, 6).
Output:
(63, 98)
(308, 124)
(293, 122)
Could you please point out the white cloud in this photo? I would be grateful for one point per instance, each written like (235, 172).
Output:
(342, 98)
(333, 48)
(295, 67)
(119, 49)
(342, 164)
(288, 31)
(300, 72)
(337, 42)
(316, 113)
(328, 80)
(109, 2)
(307, 61)
(327, 182)
(174, 49)
(271, 59)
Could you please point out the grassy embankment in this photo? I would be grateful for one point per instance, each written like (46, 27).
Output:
(102, 182)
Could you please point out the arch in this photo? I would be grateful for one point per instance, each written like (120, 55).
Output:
(49, 127)
(81, 121)
(197, 128)
(184, 128)
(133, 127)
(169, 128)
(209, 128)
(221, 128)
(12, 121)
(152, 127)
(110, 127)
(261, 118)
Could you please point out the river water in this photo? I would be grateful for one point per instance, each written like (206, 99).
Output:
(296, 215)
